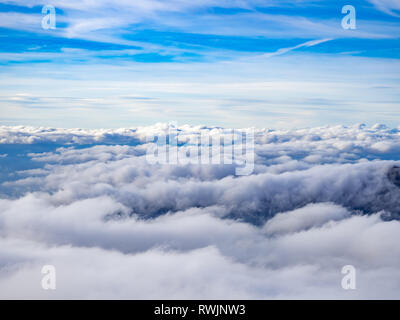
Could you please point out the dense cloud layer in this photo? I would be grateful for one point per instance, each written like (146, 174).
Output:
(116, 226)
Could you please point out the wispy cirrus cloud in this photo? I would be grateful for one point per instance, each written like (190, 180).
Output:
(305, 44)
(388, 6)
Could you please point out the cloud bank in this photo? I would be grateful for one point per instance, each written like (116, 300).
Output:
(115, 226)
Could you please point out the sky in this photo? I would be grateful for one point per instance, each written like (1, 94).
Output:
(82, 105)
(268, 64)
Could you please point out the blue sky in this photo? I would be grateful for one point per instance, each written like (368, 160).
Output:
(123, 63)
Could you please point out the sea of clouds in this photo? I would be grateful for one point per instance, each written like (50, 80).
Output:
(116, 226)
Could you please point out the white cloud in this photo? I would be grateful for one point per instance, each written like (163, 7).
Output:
(305, 44)
(319, 199)
(311, 216)
(387, 6)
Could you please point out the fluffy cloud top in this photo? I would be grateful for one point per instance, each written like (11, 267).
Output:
(115, 226)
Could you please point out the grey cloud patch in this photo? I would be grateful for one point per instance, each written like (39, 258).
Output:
(394, 175)
(88, 202)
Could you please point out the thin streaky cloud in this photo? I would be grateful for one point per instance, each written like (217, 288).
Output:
(302, 45)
